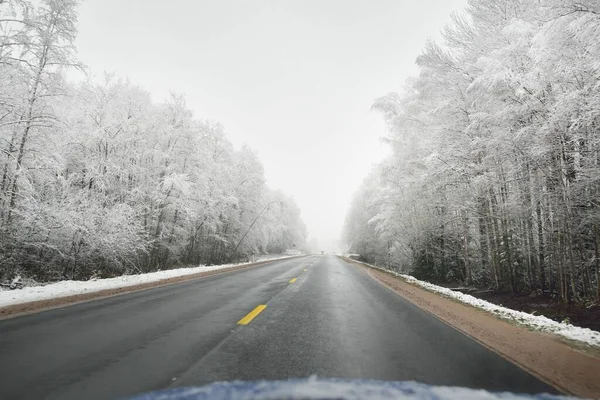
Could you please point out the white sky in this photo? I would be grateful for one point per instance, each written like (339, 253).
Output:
(293, 79)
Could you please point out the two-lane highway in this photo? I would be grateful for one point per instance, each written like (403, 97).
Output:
(290, 318)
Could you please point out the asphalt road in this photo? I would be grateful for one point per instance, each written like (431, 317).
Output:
(332, 321)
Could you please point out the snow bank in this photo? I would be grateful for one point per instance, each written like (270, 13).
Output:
(536, 322)
(70, 288)
(319, 388)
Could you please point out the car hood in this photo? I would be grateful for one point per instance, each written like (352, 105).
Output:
(319, 388)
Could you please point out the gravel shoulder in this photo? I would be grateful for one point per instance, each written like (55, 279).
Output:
(562, 365)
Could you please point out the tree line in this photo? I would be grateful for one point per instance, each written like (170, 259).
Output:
(494, 178)
(98, 180)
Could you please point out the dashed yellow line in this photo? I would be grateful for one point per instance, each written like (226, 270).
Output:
(305, 269)
(293, 280)
(252, 314)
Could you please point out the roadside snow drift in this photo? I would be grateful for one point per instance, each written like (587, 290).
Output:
(70, 288)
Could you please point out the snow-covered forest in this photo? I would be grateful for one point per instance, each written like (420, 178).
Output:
(494, 178)
(99, 180)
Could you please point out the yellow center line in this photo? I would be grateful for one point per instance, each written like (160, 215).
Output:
(252, 314)
(293, 280)
(305, 269)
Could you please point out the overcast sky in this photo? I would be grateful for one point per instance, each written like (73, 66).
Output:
(295, 80)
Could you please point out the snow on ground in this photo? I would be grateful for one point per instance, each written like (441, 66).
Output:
(535, 322)
(70, 288)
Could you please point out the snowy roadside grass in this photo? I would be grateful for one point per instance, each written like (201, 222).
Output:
(70, 288)
(535, 322)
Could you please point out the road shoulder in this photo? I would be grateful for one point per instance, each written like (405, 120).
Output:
(31, 307)
(555, 362)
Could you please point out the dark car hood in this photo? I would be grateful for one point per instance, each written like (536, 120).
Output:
(318, 388)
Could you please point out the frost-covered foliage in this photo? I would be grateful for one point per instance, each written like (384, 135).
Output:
(495, 172)
(99, 180)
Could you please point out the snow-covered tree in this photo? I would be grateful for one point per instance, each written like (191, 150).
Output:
(99, 180)
(494, 175)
